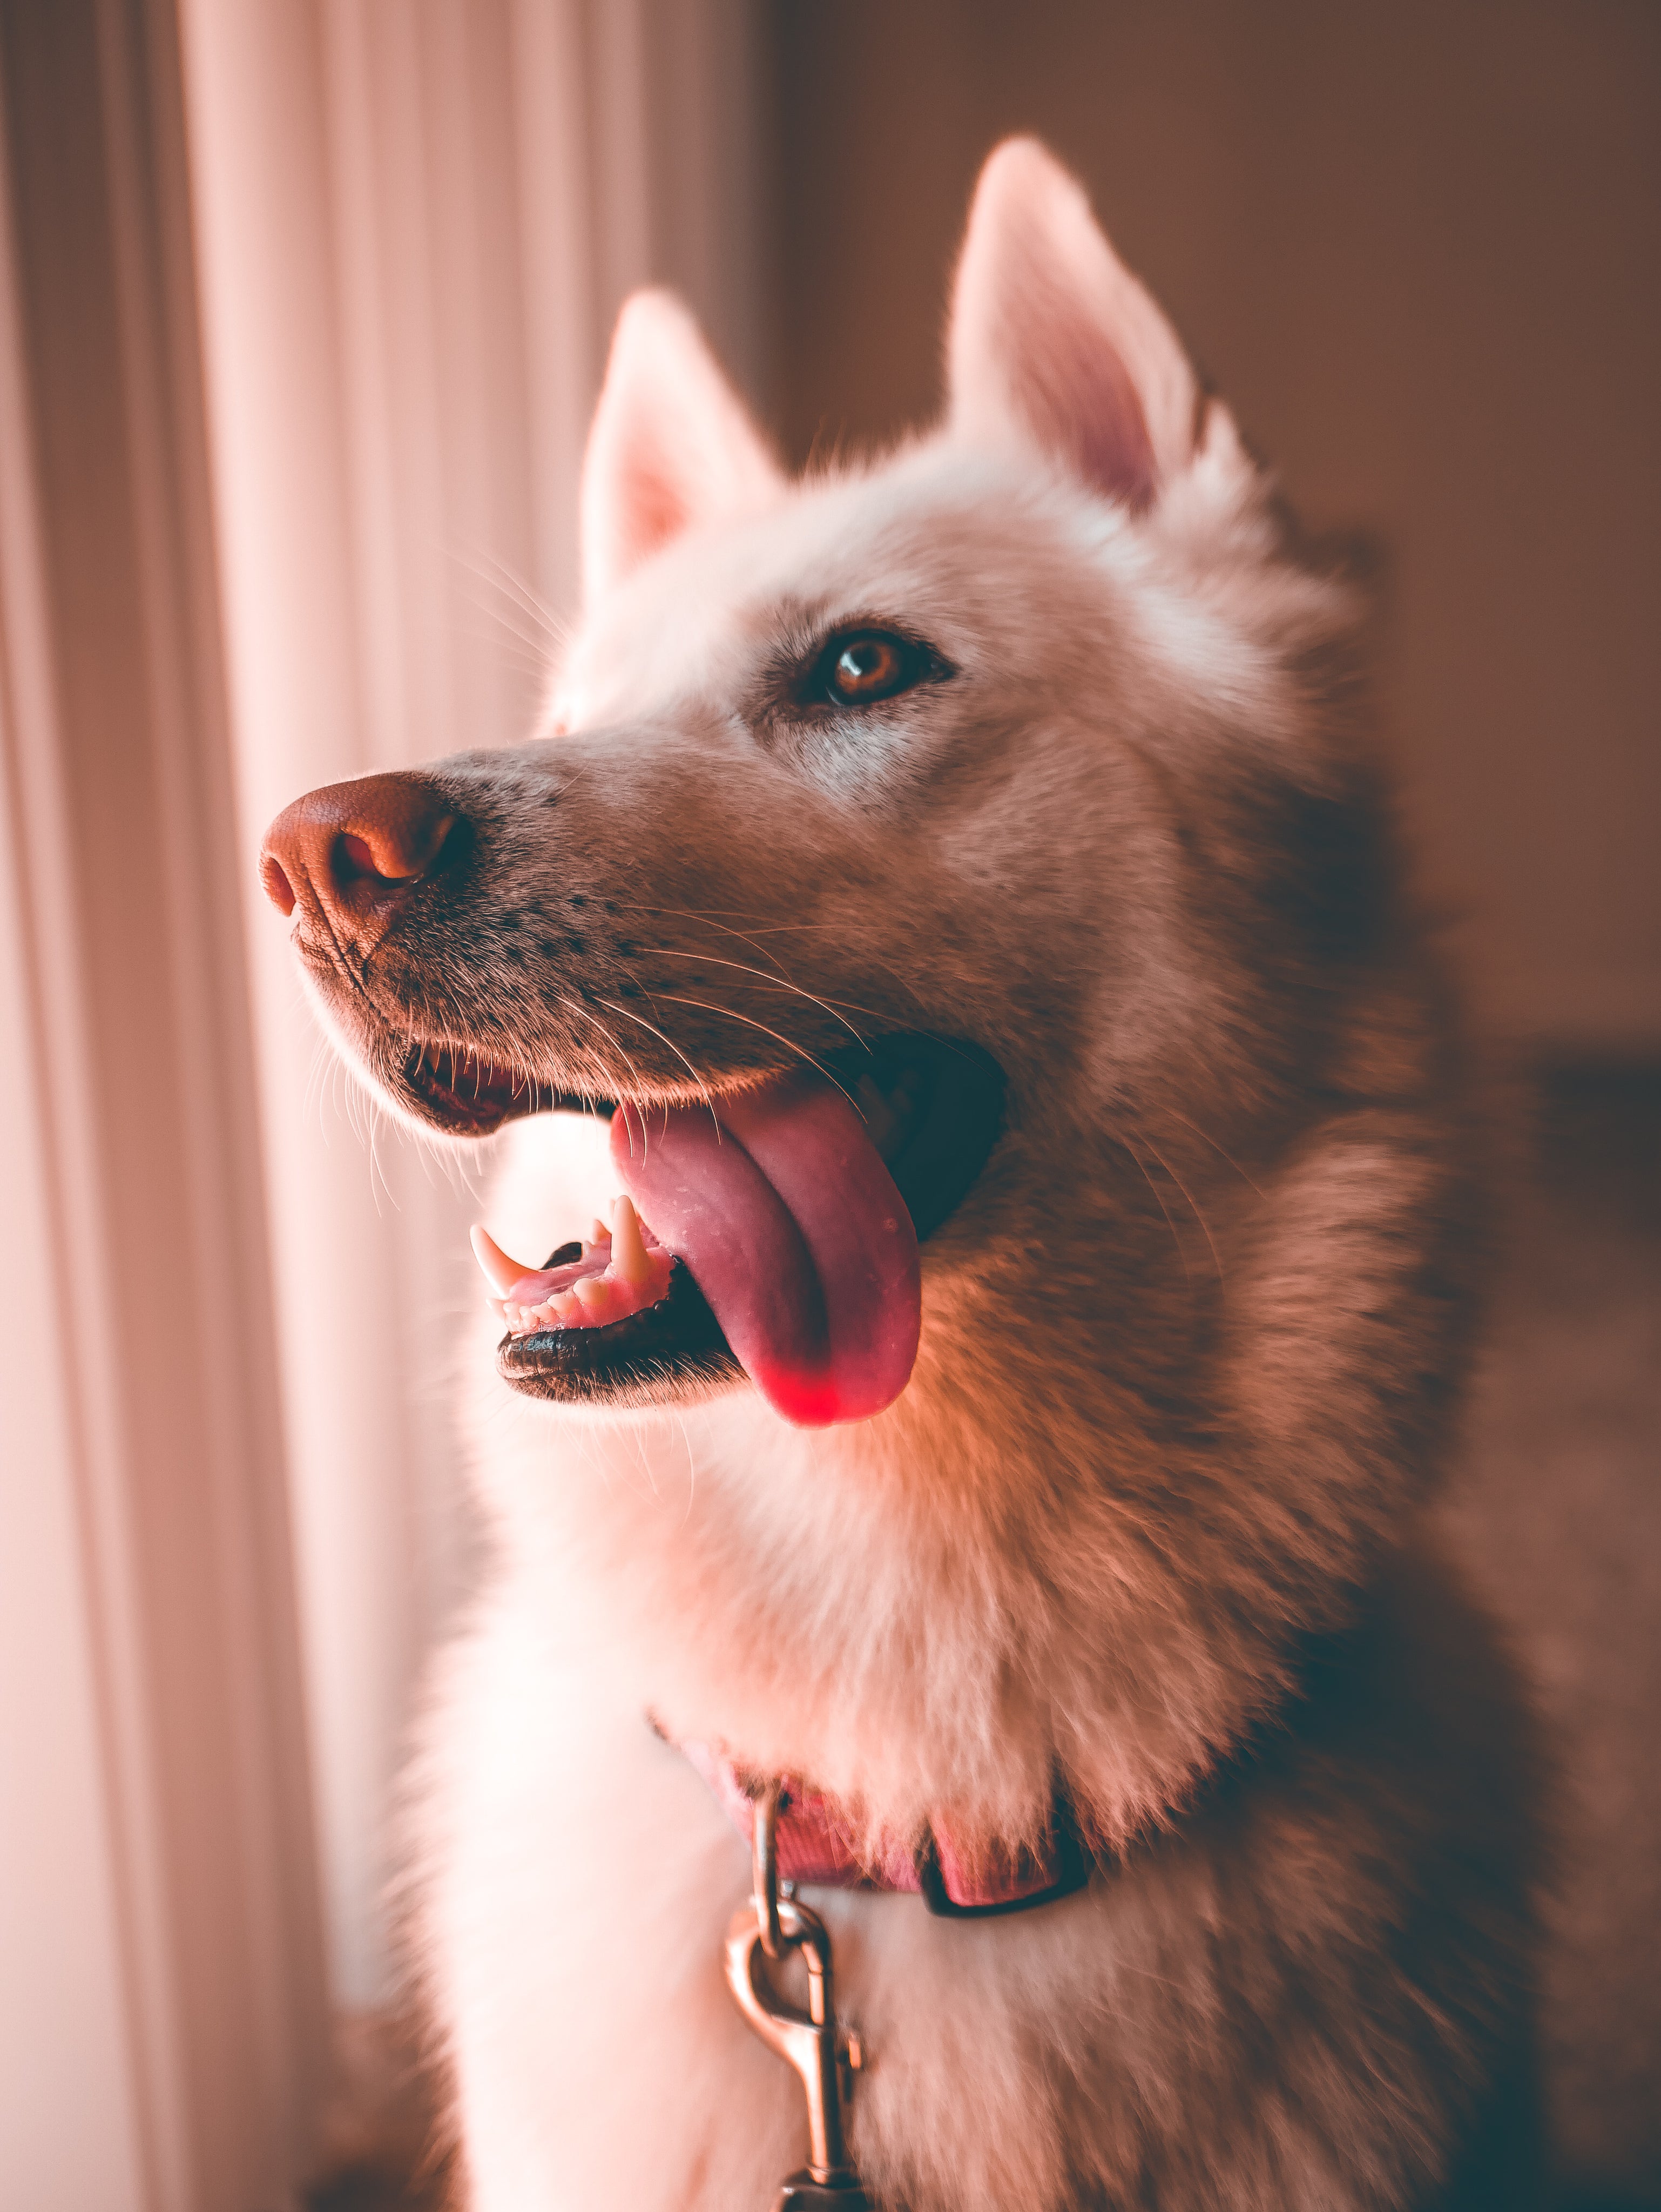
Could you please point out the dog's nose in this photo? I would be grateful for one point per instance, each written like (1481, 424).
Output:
(352, 852)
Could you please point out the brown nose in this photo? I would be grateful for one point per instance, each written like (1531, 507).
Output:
(352, 851)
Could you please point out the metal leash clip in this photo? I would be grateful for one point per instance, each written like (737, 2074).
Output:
(775, 1923)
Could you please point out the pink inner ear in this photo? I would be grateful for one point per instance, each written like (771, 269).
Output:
(657, 507)
(1078, 399)
(671, 444)
(1054, 341)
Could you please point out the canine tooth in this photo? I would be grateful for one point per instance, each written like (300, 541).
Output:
(629, 1257)
(500, 1272)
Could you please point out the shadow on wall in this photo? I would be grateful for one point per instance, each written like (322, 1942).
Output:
(1416, 247)
(1556, 1508)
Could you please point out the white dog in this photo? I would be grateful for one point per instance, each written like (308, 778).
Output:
(1001, 1405)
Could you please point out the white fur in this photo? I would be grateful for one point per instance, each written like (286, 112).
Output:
(1184, 1350)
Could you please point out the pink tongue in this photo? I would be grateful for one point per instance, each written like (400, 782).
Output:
(793, 1230)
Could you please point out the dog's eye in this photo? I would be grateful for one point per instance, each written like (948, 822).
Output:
(859, 667)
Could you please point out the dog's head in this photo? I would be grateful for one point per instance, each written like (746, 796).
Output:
(935, 851)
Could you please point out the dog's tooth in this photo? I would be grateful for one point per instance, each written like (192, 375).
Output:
(594, 1291)
(501, 1272)
(598, 1233)
(630, 1261)
(567, 1308)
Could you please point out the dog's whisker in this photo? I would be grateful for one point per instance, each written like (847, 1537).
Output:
(1205, 1226)
(577, 1007)
(526, 655)
(1159, 1199)
(611, 1007)
(732, 1015)
(713, 917)
(1205, 1138)
(765, 927)
(539, 609)
(711, 921)
(486, 568)
(773, 982)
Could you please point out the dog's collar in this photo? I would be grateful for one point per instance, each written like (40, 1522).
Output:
(818, 1844)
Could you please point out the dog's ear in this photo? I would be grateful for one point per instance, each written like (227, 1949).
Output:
(1052, 342)
(671, 444)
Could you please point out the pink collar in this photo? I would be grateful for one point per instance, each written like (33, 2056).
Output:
(817, 1844)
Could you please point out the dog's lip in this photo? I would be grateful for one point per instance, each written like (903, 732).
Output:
(935, 1108)
(643, 1359)
(471, 1096)
(934, 1150)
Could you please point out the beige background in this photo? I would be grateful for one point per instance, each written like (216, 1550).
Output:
(1417, 247)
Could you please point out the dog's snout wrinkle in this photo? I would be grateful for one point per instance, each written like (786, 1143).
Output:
(350, 854)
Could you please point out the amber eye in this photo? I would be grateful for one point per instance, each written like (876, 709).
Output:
(859, 667)
(862, 666)
(866, 667)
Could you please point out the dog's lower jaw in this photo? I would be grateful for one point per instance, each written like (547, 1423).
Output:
(672, 1354)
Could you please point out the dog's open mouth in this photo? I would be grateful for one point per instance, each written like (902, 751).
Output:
(771, 1230)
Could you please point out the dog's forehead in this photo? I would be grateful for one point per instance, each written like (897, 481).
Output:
(921, 541)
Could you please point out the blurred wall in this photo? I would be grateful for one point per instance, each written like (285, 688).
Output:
(1417, 247)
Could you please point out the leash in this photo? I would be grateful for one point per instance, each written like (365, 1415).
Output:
(774, 1924)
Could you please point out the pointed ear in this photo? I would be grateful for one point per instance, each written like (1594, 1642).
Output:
(1054, 343)
(671, 444)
